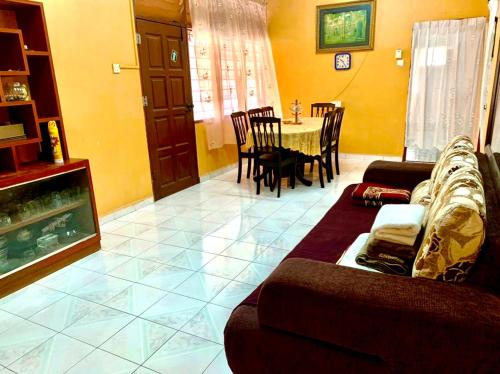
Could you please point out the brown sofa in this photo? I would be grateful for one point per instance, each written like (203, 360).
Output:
(313, 316)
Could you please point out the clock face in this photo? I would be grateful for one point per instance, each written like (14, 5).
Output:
(343, 61)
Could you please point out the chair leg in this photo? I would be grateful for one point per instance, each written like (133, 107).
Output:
(258, 179)
(293, 171)
(325, 165)
(329, 165)
(311, 168)
(321, 180)
(337, 161)
(239, 168)
(278, 180)
(249, 165)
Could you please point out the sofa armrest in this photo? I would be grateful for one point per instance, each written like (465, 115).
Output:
(399, 319)
(398, 174)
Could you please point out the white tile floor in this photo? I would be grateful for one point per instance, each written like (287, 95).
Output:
(157, 296)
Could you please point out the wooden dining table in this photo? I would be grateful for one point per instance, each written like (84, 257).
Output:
(303, 138)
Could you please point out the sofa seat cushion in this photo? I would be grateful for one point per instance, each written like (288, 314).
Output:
(329, 239)
(455, 229)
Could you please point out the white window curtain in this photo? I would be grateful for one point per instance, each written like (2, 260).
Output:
(232, 67)
(444, 92)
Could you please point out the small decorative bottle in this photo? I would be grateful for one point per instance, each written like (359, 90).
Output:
(296, 109)
(55, 142)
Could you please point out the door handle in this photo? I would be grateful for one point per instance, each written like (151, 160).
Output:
(189, 107)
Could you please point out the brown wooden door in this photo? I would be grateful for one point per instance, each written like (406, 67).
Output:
(166, 85)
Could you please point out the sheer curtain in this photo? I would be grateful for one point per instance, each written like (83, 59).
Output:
(233, 67)
(445, 83)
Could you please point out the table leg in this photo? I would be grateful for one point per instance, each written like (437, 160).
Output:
(300, 172)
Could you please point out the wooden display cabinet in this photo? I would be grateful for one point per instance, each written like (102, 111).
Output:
(25, 57)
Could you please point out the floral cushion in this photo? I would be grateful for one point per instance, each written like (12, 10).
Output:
(460, 142)
(455, 229)
(421, 194)
(454, 161)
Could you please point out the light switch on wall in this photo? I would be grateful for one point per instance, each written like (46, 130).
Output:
(399, 54)
(400, 62)
(117, 68)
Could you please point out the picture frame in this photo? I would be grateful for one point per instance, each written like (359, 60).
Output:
(346, 26)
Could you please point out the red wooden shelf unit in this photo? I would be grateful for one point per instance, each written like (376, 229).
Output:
(25, 57)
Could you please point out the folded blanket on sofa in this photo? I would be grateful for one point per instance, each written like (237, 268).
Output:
(375, 248)
(374, 194)
(384, 263)
(398, 224)
(348, 258)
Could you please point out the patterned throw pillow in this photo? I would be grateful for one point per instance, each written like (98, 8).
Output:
(455, 161)
(460, 142)
(375, 195)
(455, 229)
(421, 194)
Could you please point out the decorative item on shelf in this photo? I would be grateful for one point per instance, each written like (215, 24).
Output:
(296, 109)
(4, 250)
(47, 243)
(12, 131)
(55, 142)
(17, 91)
(58, 223)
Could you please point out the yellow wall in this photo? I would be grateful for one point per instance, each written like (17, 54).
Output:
(103, 112)
(210, 161)
(103, 115)
(374, 91)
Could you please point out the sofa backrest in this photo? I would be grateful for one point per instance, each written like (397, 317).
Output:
(486, 271)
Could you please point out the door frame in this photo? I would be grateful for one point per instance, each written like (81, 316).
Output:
(189, 88)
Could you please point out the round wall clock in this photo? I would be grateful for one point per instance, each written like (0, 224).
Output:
(343, 61)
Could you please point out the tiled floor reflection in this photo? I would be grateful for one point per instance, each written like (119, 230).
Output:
(157, 296)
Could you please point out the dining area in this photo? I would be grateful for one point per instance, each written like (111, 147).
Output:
(275, 149)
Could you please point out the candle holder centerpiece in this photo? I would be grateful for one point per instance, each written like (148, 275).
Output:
(296, 109)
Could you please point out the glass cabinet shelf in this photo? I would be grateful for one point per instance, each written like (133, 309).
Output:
(44, 217)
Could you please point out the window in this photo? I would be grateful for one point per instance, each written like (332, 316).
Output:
(232, 62)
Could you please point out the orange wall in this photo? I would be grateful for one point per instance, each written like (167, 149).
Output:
(103, 112)
(210, 161)
(375, 90)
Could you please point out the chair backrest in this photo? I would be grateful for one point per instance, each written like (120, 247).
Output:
(240, 125)
(267, 111)
(266, 132)
(327, 131)
(339, 116)
(319, 109)
(254, 113)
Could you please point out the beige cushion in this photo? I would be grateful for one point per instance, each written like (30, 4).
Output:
(455, 160)
(421, 194)
(455, 228)
(460, 142)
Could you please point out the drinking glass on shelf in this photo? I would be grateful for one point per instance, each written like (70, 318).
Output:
(57, 201)
(5, 219)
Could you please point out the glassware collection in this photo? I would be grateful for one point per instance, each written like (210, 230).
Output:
(37, 222)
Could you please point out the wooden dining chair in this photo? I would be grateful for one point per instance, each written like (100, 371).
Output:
(240, 125)
(324, 158)
(267, 111)
(319, 109)
(254, 113)
(269, 153)
(339, 117)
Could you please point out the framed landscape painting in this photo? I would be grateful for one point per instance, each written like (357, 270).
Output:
(345, 26)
